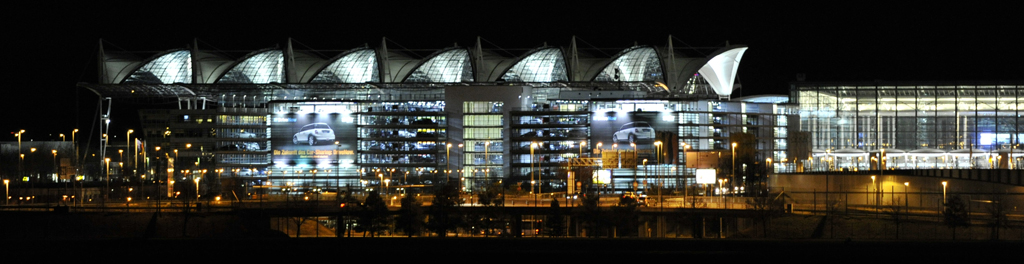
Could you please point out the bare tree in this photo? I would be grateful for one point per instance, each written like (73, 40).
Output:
(997, 214)
(955, 214)
(895, 212)
(767, 206)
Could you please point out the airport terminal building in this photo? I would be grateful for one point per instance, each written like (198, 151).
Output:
(368, 117)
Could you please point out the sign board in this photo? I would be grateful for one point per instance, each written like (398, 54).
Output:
(705, 159)
(706, 176)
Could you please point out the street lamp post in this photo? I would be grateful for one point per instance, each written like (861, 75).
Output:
(944, 183)
(128, 143)
(487, 157)
(447, 162)
(768, 173)
(733, 163)
(906, 195)
(106, 192)
(7, 192)
(645, 176)
(635, 182)
(22, 161)
(196, 179)
(533, 182)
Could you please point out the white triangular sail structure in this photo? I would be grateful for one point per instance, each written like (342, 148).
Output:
(720, 71)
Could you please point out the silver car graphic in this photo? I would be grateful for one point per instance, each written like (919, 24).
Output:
(314, 133)
(634, 132)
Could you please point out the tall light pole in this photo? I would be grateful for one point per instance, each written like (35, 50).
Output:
(55, 167)
(733, 163)
(133, 160)
(487, 157)
(533, 182)
(944, 183)
(874, 191)
(106, 192)
(635, 183)
(20, 163)
(74, 142)
(768, 173)
(7, 192)
(906, 195)
(582, 144)
(196, 179)
(447, 162)
(459, 164)
(657, 162)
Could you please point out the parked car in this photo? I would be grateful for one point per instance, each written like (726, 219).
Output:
(313, 134)
(634, 132)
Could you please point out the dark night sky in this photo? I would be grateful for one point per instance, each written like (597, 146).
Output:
(53, 47)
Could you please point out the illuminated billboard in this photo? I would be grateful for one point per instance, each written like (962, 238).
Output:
(303, 135)
(618, 124)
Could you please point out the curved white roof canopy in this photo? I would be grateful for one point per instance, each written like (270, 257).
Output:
(890, 152)
(261, 67)
(358, 66)
(849, 152)
(766, 98)
(449, 66)
(967, 152)
(545, 65)
(927, 152)
(720, 71)
(636, 64)
(171, 67)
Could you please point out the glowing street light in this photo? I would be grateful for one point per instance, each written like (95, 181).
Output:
(944, 183)
(128, 144)
(7, 191)
(733, 163)
(447, 160)
(533, 182)
(106, 191)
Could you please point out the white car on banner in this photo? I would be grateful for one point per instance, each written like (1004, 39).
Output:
(634, 132)
(313, 134)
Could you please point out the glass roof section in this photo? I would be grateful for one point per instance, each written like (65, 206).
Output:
(264, 67)
(448, 67)
(547, 65)
(173, 67)
(356, 67)
(639, 64)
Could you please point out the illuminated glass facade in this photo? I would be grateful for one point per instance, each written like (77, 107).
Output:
(638, 64)
(356, 67)
(450, 66)
(263, 67)
(919, 125)
(173, 67)
(546, 65)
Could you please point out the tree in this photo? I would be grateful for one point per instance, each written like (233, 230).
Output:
(374, 216)
(556, 220)
(410, 216)
(895, 212)
(997, 212)
(443, 215)
(591, 215)
(493, 216)
(349, 206)
(767, 206)
(955, 214)
(624, 216)
(832, 215)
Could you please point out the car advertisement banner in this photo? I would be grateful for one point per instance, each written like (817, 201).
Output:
(303, 136)
(643, 128)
